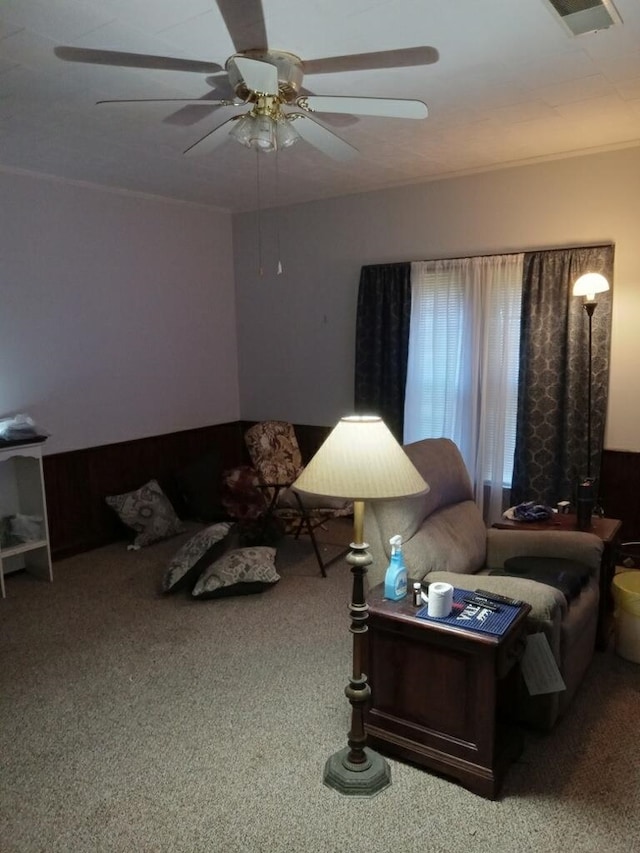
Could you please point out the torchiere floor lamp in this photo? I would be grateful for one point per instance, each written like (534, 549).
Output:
(588, 285)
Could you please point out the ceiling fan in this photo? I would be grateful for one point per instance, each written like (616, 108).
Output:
(269, 82)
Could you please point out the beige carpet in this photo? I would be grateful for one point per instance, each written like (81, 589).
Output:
(135, 722)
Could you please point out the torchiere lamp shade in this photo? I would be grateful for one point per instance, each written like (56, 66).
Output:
(361, 460)
(589, 284)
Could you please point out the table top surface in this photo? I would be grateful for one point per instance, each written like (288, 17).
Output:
(606, 528)
(405, 611)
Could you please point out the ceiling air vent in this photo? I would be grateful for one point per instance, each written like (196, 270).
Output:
(586, 16)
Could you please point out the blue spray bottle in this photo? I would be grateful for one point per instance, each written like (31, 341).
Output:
(395, 580)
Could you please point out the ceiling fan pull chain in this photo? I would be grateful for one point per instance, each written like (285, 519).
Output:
(279, 270)
(259, 212)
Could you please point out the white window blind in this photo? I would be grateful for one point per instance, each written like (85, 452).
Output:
(462, 373)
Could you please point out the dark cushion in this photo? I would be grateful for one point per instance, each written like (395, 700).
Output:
(199, 485)
(566, 575)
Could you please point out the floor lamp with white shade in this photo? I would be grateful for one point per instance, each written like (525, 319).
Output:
(359, 461)
(588, 285)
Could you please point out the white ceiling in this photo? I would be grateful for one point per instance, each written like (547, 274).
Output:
(511, 85)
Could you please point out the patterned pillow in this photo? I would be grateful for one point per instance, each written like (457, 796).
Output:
(242, 496)
(148, 511)
(238, 572)
(197, 553)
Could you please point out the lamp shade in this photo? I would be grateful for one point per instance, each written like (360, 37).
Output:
(286, 134)
(255, 131)
(242, 130)
(361, 461)
(589, 284)
(263, 133)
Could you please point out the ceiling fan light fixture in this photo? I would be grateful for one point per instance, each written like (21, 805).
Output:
(255, 131)
(286, 134)
(263, 133)
(241, 131)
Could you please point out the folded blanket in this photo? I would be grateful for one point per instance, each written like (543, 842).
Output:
(530, 511)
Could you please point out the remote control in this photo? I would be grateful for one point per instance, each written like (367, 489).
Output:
(493, 596)
(479, 601)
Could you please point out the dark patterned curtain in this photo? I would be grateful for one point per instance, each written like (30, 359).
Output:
(382, 342)
(551, 433)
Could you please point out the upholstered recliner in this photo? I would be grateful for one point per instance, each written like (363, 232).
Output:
(444, 538)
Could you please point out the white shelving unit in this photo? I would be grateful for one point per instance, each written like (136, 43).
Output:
(22, 492)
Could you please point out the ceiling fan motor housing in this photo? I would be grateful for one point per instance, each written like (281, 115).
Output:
(289, 68)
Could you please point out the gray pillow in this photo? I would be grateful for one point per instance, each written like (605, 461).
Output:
(238, 572)
(198, 552)
(149, 512)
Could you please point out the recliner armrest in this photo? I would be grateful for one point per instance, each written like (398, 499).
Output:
(585, 548)
(548, 605)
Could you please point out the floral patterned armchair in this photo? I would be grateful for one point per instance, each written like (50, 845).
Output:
(275, 455)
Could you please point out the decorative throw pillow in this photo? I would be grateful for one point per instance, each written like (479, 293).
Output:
(242, 496)
(239, 572)
(198, 552)
(149, 512)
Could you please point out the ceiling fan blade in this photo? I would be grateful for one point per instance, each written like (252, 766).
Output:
(186, 116)
(192, 114)
(244, 19)
(323, 139)
(191, 101)
(401, 58)
(332, 118)
(211, 140)
(220, 84)
(134, 60)
(259, 76)
(389, 107)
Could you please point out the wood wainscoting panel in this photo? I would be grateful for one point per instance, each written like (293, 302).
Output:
(310, 438)
(619, 493)
(78, 481)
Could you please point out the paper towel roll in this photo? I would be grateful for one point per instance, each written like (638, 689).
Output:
(440, 599)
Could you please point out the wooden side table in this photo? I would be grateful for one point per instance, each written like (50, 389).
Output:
(608, 529)
(435, 693)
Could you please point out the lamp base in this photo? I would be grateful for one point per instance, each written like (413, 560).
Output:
(357, 780)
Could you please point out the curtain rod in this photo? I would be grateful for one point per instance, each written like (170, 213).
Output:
(493, 254)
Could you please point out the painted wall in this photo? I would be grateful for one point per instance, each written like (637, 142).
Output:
(297, 338)
(117, 313)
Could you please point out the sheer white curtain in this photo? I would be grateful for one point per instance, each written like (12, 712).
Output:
(462, 373)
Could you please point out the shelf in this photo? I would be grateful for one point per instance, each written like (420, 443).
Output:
(22, 492)
(22, 548)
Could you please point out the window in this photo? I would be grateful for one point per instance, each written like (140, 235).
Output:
(462, 375)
